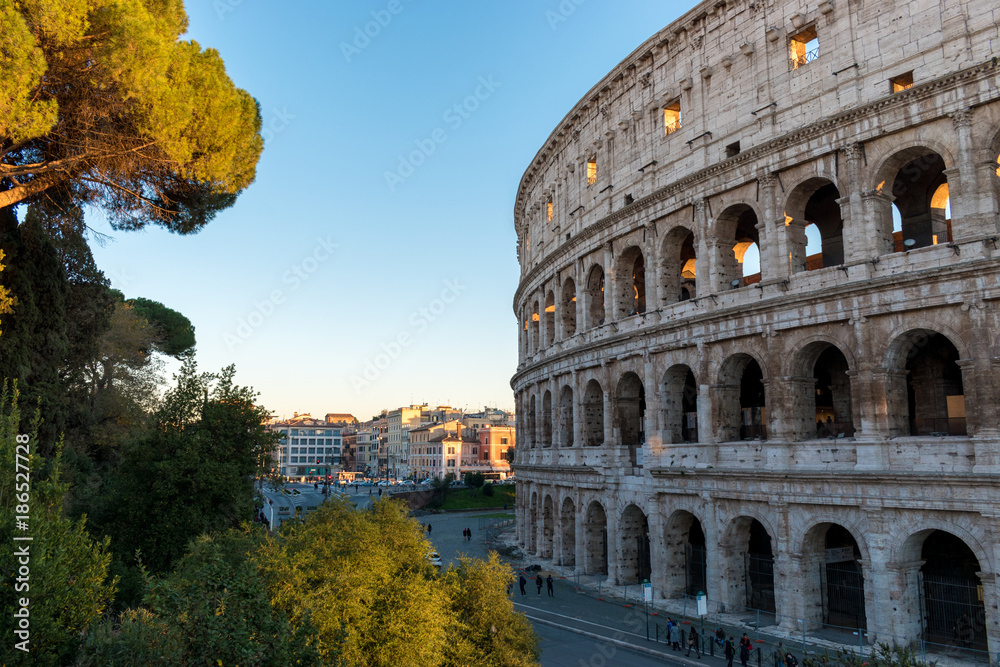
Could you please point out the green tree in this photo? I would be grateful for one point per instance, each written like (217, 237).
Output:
(474, 480)
(102, 102)
(176, 333)
(6, 300)
(364, 581)
(212, 609)
(487, 631)
(192, 472)
(67, 586)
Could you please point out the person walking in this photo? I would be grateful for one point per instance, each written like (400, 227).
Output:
(538, 582)
(548, 586)
(745, 647)
(521, 582)
(790, 660)
(729, 651)
(674, 636)
(779, 655)
(428, 526)
(720, 637)
(694, 642)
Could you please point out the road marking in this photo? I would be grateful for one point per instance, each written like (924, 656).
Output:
(579, 620)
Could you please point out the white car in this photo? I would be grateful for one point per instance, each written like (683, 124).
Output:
(434, 559)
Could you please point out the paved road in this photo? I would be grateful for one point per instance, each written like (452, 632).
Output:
(562, 648)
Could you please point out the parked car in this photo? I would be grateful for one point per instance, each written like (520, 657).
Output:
(434, 559)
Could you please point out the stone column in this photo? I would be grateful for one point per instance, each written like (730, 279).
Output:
(610, 283)
(991, 584)
(614, 545)
(543, 325)
(653, 439)
(857, 239)
(969, 206)
(771, 232)
(706, 414)
(581, 537)
(609, 434)
(657, 550)
(578, 418)
(871, 387)
(981, 409)
(703, 263)
(652, 263)
(902, 585)
(877, 223)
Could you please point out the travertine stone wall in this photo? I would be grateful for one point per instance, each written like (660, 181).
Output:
(891, 329)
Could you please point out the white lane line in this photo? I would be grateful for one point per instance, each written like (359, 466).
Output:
(578, 620)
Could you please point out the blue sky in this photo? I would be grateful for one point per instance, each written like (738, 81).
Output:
(372, 263)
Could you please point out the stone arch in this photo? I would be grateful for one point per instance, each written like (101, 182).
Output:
(595, 526)
(814, 202)
(550, 318)
(912, 176)
(547, 419)
(568, 308)
(741, 399)
(685, 568)
(567, 529)
(678, 254)
(566, 416)
(747, 555)
(735, 233)
(833, 577)
(633, 529)
(821, 403)
(548, 527)
(630, 279)
(926, 385)
(680, 405)
(595, 297)
(593, 414)
(944, 593)
(630, 413)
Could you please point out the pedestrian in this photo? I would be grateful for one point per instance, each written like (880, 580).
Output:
(470, 533)
(745, 648)
(729, 651)
(674, 636)
(779, 655)
(538, 582)
(521, 582)
(548, 586)
(720, 637)
(790, 660)
(694, 642)
(428, 529)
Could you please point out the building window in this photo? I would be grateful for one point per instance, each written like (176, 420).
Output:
(672, 117)
(733, 149)
(804, 47)
(503, 441)
(591, 171)
(548, 210)
(901, 82)
(295, 431)
(295, 450)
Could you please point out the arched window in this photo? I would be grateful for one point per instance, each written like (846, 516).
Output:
(678, 266)
(813, 206)
(631, 279)
(568, 308)
(595, 297)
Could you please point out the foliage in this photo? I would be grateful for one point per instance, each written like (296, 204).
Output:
(883, 655)
(488, 631)
(212, 609)
(6, 300)
(176, 333)
(192, 472)
(441, 486)
(475, 480)
(488, 490)
(101, 102)
(67, 583)
(363, 580)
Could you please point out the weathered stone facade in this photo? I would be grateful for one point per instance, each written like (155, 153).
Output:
(835, 416)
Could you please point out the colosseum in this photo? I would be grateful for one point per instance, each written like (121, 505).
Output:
(759, 320)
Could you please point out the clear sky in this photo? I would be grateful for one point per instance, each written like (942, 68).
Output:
(325, 262)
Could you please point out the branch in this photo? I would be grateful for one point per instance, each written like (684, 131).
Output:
(18, 194)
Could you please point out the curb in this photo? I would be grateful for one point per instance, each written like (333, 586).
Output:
(616, 642)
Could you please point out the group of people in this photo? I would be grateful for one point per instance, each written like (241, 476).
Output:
(675, 636)
(782, 658)
(467, 533)
(522, 582)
